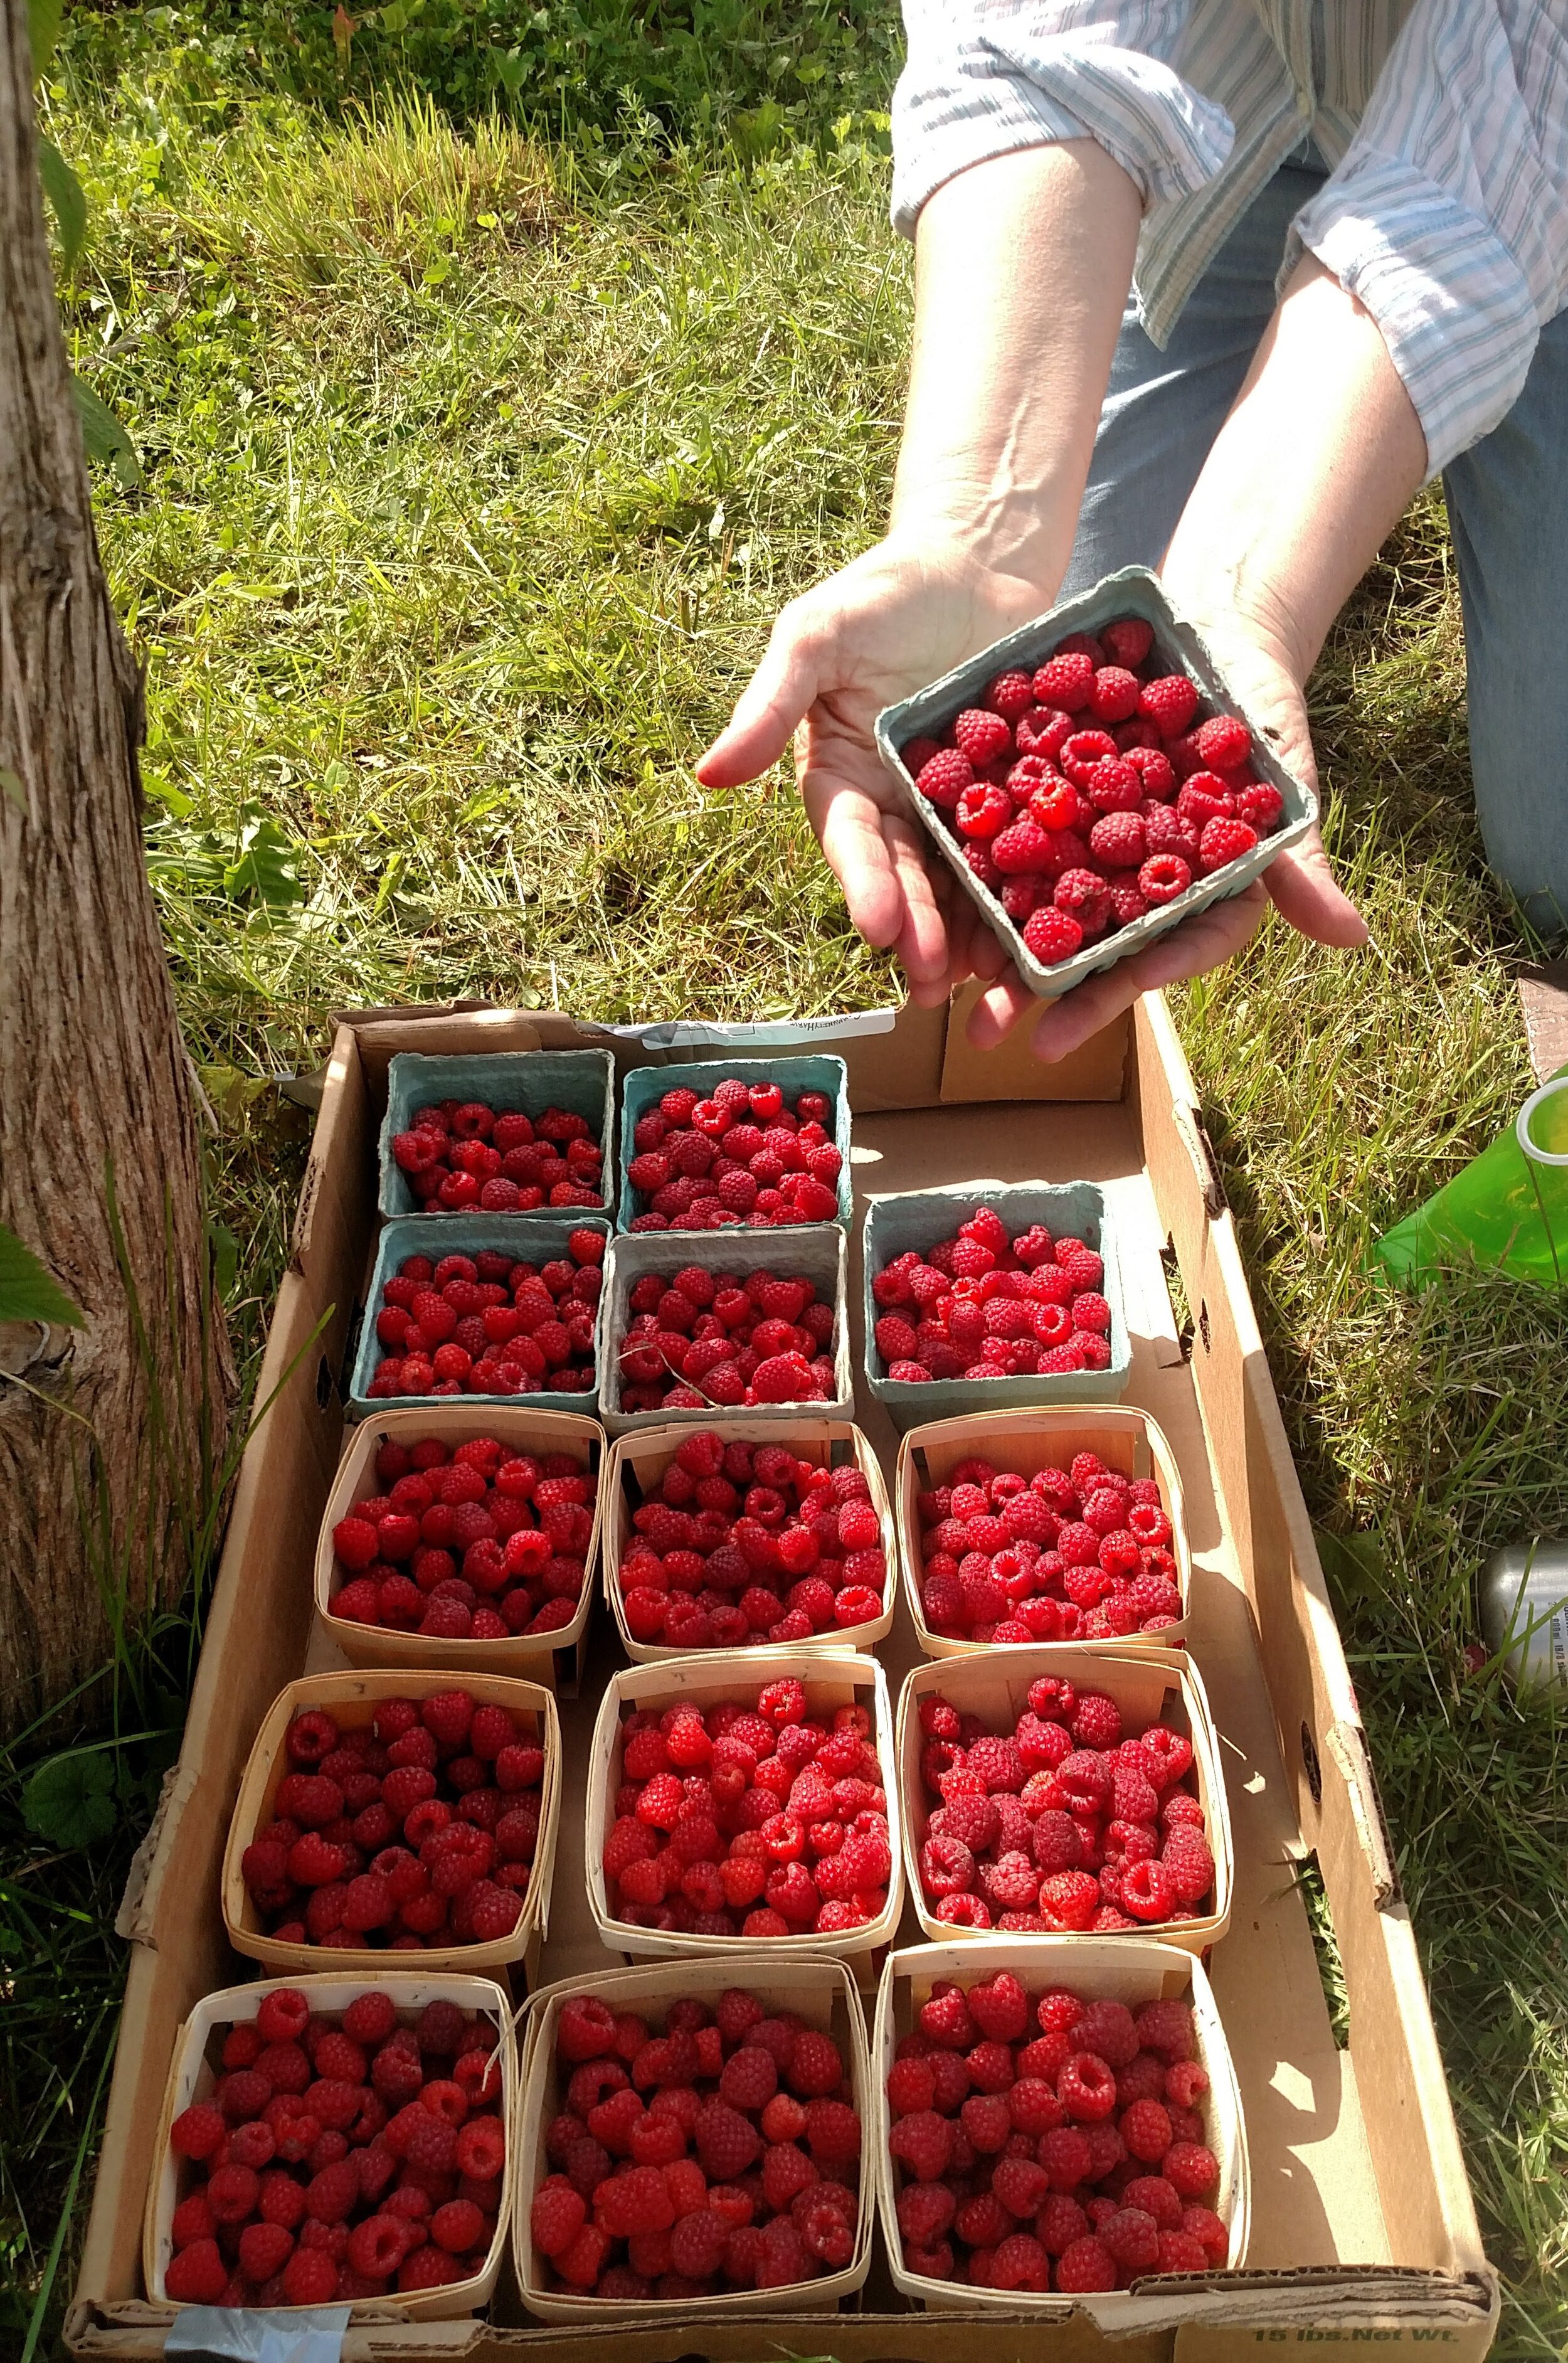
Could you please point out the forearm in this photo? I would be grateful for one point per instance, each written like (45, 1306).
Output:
(1307, 478)
(1022, 267)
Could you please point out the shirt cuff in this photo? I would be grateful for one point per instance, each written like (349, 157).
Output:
(1455, 308)
(967, 99)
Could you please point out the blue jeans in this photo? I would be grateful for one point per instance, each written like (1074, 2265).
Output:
(1507, 506)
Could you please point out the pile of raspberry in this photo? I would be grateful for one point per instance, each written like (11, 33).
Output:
(741, 1156)
(417, 1830)
(1070, 2158)
(756, 1819)
(470, 1543)
(721, 2154)
(1077, 1554)
(710, 1340)
(741, 1544)
(1087, 793)
(340, 2157)
(986, 1307)
(464, 1156)
(1064, 1823)
(486, 1325)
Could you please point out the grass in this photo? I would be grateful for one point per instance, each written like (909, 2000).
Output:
(475, 470)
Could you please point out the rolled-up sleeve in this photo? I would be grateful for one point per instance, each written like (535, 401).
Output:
(985, 77)
(1447, 216)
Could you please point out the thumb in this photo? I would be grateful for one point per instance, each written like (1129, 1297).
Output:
(1303, 889)
(780, 693)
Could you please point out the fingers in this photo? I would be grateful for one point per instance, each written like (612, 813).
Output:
(1303, 888)
(780, 693)
(873, 877)
(922, 942)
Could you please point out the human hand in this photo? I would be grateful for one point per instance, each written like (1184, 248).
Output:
(897, 617)
(1256, 660)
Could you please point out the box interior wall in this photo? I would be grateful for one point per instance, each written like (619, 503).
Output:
(1362, 2223)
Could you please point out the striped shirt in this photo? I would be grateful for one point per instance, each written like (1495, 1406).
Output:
(1444, 124)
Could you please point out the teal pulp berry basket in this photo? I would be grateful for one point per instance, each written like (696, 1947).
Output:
(815, 1252)
(646, 1086)
(1180, 648)
(919, 1218)
(521, 1083)
(526, 1239)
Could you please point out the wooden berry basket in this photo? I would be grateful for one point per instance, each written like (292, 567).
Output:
(511, 1082)
(705, 1680)
(193, 2076)
(821, 1989)
(1131, 1970)
(1152, 1686)
(792, 1072)
(352, 1699)
(638, 1462)
(534, 1657)
(1050, 1437)
(813, 1251)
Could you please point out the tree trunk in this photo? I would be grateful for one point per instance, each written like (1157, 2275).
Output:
(93, 1070)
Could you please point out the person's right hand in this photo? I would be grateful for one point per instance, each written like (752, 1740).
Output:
(893, 621)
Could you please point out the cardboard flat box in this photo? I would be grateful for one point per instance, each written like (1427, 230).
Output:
(1363, 2228)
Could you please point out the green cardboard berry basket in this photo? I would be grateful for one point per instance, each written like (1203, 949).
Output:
(815, 1252)
(510, 1082)
(526, 1239)
(1180, 649)
(646, 1086)
(919, 1218)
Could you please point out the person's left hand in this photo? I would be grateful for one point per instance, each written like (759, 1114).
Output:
(1298, 882)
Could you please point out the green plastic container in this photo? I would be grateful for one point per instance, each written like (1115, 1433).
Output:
(816, 1252)
(919, 1218)
(1180, 649)
(1508, 1209)
(522, 1083)
(526, 1239)
(646, 1086)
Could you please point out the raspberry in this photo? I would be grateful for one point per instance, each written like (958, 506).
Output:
(1223, 841)
(726, 2141)
(984, 811)
(1224, 742)
(1051, 935)
(1086, 2264)
(1069, 1900)
(310, 2278)
(1192, 2168)
(1000, 2007)
(1118, 839)
(947, 2020)
(911, 2087)
(1167, 2027)
(1065, 681)
(198, 2275)
(1114, 694)
(1011, 694)
(197, 2131)
(922, 2142)
(981, 735)
(749, 2078)
(1083, 896)
(1132, 2237)
(944, 778)
(1261, 806)
(1169, 704)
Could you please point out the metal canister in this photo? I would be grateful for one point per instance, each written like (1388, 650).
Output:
(1522, 1600)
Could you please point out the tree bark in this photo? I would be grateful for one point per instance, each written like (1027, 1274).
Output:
(95, 1498)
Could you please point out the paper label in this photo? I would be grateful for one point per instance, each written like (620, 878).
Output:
(231, 2333)
(770, 1034)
